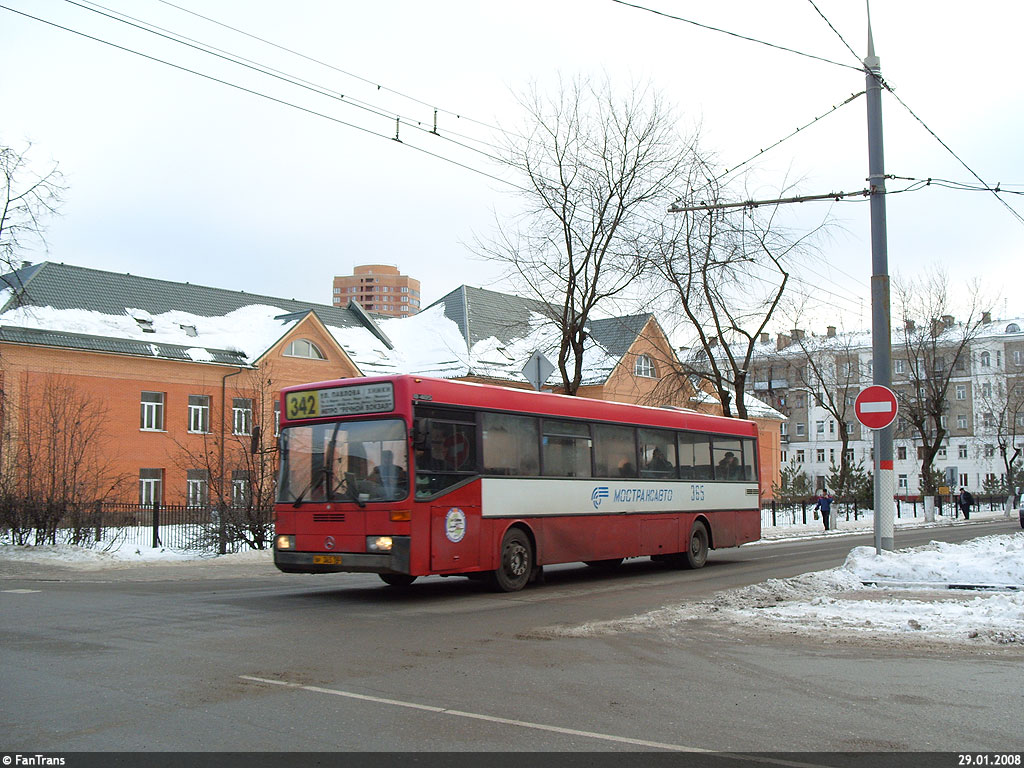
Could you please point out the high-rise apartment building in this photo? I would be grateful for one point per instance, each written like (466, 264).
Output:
(379, 288)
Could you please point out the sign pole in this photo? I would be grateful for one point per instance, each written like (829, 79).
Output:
(881, 331)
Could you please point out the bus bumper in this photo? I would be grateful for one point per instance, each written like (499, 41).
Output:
(395, 561)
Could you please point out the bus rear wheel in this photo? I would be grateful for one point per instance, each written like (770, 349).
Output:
(515, 562)
(397, 579)
(696, 553)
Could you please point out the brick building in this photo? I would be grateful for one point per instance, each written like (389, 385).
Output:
(148, 390)
(379, 288)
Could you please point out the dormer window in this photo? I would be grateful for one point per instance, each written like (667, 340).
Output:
(145, 325)
(304, 348)
(190, 330)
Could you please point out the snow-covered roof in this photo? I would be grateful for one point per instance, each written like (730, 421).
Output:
(469, 332)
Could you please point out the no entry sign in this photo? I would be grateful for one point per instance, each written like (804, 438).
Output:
(876, 407)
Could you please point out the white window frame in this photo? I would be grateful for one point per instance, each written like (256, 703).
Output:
(152, 412)
(151, 486)
(241, 416)
(644, 367)
(199, 415)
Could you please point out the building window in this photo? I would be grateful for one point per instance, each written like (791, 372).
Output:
(961, 391)
(897, 366)
(241, 416)
(961, 421)
(304, 348)
(985, 359)
(240, 488)
(963, 480)
(961, 450)
(901, 483)
(645, 367)
(800, 429)
(199, 413)
(942, 452)
(820, 454)
(277, 418)
(197, 487)
(800, 455)
(990, 451)
(152, 411)
(405, 289)
(901, 452)
(819, 427)
(337, 291)
(150, 486)
(784, 429)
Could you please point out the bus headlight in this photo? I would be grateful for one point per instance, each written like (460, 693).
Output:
(378, 543)
(285, 542)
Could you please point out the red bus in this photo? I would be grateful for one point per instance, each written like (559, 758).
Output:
(406, 476)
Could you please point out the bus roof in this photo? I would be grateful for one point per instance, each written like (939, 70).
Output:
(449, 392)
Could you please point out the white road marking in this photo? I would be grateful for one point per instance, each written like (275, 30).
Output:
(20, 591)
(524, 723)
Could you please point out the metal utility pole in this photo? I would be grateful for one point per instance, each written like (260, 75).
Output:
(881, 329)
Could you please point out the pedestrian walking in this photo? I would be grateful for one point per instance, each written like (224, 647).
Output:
(966, 501)
(824, 503)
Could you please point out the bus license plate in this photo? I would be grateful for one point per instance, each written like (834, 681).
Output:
(326, 559)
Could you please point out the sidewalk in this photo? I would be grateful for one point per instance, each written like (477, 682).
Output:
(866, 523)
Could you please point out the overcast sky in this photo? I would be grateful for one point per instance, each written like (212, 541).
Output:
(179, 177)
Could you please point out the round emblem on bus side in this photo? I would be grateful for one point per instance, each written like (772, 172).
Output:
(455, 525)
(329, 542)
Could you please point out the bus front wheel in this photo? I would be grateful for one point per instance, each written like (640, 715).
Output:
(515, 562)
(397, 579)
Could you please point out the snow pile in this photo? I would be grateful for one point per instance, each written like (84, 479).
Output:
(836, 603)
(116, 555)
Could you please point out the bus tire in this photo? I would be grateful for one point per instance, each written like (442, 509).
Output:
(696, 554)
(515, 562)
(397, 579)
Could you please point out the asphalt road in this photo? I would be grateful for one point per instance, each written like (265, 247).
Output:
(208, 657)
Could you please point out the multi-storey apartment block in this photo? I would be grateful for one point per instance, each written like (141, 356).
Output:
(814, 379)
(380, 289)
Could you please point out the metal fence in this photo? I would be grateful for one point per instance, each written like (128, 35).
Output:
(111, 525)
(802, 512)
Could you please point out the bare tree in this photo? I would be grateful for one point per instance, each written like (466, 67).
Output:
(934, 349)
(596, 171)
(725, 272)
(235, 463)
(28, 199)
(57, 458)
(1001, 401)
(830, 371)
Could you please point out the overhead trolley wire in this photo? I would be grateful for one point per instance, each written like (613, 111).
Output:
(739, 36)
(277, 74)
(376, 85)
(262, 95)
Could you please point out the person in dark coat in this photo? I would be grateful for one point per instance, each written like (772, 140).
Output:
(824, 503)
(966, 501)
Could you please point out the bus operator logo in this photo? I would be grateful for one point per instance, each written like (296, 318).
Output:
(600, 493)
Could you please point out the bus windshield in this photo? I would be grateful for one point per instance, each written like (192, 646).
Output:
(356, 461)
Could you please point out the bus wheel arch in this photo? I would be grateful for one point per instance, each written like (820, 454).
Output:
(517, 559)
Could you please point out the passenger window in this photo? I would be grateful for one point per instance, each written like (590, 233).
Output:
(614, 451)
(567, 449)
(695, 457)
(509, 445)
(444, 449)
(657, 453)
